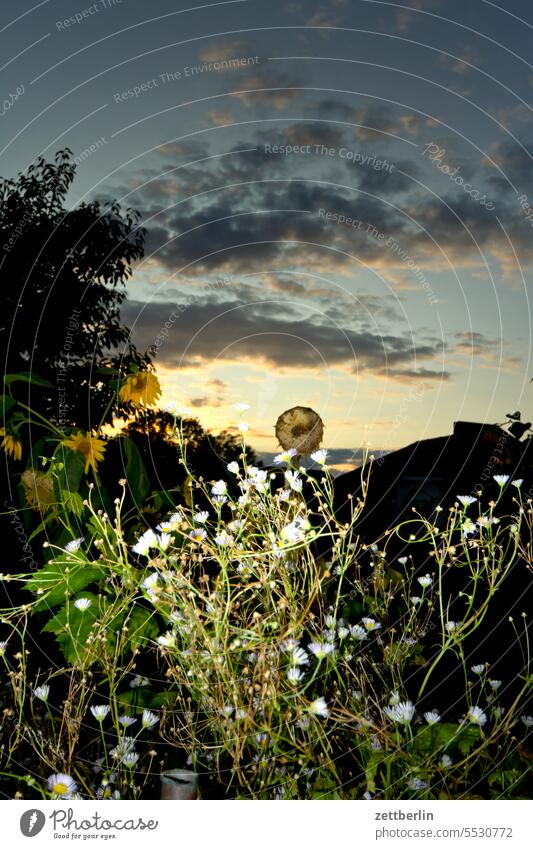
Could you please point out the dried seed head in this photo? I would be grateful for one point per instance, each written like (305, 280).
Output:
(300, 428)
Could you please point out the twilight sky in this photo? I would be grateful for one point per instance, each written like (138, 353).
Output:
(336, 196)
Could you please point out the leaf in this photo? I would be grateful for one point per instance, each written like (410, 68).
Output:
(143, 697)
(163, 498)
(187, 492)
(73, 502)
(27, 377)
(136, 475)
(371, 769)
(6, 402)
(107, 370)
(142, 627)
(395, 579)
(467, 738)
(71, 474)
(73, 640)
(60, 576)
(325, 788)
(431, 738)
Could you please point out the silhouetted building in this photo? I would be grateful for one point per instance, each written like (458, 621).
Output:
(433, 472)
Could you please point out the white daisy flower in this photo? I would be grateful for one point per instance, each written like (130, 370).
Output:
(130, 759)
(501, 480)
(42, 692)
(150, 582)
(527, 720)
(465, 500)
(74, 545)
(198, 535)
(486, 521)
(243, 427)
(241, 408)
(126, 720)
(370, 624)
(403, 712)
(294, 676)
(358, 632)
(138, 681)
(468, 527)
(219, 488)
(164, 541)
(259, 480)
(223, 538)
(299, 657)
(99, 712)
(319, 456)
(147, 541)
(417, 784)
(518, 482)
(294, 480)
(494, 683)
(476, 715)
(149, 719)
(478, 669)
(61, 785)
(425, 580)
(201, 517)
(233, 467)
(321, 650)
(319, 707)
(167, 640)
(82, 603)
(124, 745)
(285, 456)
(403, 560)
(293, 533)
(432, 717)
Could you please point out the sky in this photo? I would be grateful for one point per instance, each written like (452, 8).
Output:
(336, 196)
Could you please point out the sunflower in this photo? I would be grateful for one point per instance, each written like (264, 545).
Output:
(89, 446)
(11, 444)
(38, 489)
(141, 388)
(300, 428)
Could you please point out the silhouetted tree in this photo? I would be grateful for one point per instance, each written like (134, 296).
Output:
(63, 273)
(207, 455)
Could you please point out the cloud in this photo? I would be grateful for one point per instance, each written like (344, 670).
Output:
(376, 123)
(220, 49)
(221, 117)
(268, 88)
(467, 56)
(250, 208)
(260, 333)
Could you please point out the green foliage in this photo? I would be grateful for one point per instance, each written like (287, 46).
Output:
(275, 669)
(27, 377)
(136, 475)
(72, 627)
(60, 577)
